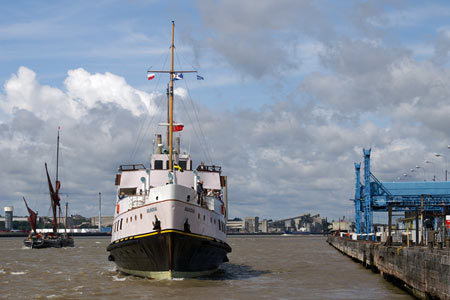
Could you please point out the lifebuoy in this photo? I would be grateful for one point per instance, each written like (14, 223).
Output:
(118, 207)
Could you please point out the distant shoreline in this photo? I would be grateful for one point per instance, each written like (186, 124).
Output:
(276, 233)
(6, 234)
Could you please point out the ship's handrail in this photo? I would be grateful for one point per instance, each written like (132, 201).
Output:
(135, 201)
(212, 168)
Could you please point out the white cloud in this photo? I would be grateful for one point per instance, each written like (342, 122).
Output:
(84, 92)
(89, 89)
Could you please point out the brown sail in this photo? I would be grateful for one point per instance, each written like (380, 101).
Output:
(54, 239)
(54, 196)
(32, 218)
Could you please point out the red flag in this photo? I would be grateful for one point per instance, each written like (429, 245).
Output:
(177, 127)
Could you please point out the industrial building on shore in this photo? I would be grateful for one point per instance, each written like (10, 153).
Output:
(305, 223)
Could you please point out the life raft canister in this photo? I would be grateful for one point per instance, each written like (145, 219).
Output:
(118, 207)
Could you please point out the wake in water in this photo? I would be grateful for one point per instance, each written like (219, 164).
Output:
(230, 271)
(117, 278)
(18, 273)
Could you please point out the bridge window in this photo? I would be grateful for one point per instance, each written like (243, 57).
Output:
(127, 191)
(182, 164)
(158, 164)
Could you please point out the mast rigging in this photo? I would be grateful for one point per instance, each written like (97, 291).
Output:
(172, 72)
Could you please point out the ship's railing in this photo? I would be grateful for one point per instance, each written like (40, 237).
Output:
(135, 201)
(212, 168)
(213, 204)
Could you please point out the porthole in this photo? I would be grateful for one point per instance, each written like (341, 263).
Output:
(135, 217)
(127, 219)
(203, 217)
(188, 198)
(210, 219)
(141, 216)
(214, 221)
(156, 198)
(199, 216)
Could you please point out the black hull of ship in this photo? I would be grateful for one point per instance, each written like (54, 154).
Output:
(39, 243)
(168, 254)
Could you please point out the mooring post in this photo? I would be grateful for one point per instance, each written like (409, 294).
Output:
(417, 225)
(389, 240)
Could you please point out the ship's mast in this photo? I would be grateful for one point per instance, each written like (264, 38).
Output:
(168, 114)
(172, 46)
(57, 184)
(57, 156)
(171, 72)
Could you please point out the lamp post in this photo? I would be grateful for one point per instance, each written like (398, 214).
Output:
(445, 157)
(99, 211)
(403, 177)
(434, 168)
(419, 167)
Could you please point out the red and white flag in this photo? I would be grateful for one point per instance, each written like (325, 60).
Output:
(150, 76)
(177, 127)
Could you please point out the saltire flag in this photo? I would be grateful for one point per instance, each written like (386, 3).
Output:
(150, 76)
(200, 77)
(177, 76)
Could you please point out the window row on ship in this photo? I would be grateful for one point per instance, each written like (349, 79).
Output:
(118, 224)
(158, 164)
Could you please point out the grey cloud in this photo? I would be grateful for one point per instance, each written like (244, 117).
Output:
(358, 58)
(441, 49)
(260, 40)
(27, 123)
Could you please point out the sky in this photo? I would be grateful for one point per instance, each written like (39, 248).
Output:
(293, 91)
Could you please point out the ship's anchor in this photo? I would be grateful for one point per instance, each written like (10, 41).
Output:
(157, 224)
(187, 227)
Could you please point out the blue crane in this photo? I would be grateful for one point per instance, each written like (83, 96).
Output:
(373, 195)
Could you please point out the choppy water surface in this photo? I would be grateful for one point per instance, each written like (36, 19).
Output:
(262, 267)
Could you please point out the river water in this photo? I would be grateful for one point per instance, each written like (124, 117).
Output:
(260, 267)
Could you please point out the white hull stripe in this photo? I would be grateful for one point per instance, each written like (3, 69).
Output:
(166, 274)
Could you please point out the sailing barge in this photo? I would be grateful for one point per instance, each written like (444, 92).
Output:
(170, 219)
(52, 239)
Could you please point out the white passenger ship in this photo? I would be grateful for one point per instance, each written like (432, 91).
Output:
(170, 219)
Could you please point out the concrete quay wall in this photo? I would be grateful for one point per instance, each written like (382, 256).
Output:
(424, 272)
